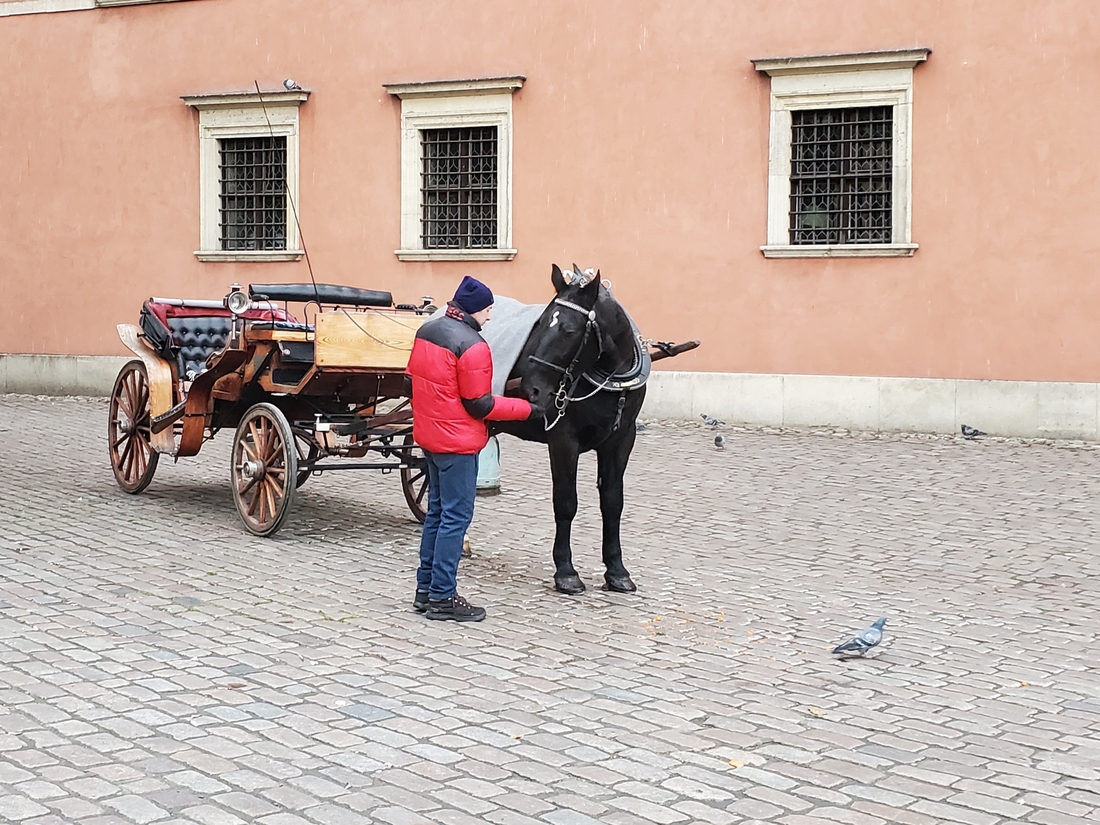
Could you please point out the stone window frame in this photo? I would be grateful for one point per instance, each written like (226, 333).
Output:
(242, 115)
(107, 3)
(452, 104)
(10, 8)
(837, 81)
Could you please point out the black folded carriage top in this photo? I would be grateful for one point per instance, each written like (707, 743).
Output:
(320, 293)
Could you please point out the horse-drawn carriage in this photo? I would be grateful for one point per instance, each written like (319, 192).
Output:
(296, 393)
(299, 394)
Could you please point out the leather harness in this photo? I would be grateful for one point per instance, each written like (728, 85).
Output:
(633, 379)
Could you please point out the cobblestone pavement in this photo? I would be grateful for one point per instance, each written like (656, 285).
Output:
(160, 665)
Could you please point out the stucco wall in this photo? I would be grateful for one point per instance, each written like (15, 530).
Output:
(641, 147)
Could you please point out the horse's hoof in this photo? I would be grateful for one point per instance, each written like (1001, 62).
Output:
(619, 584)
(569, 584)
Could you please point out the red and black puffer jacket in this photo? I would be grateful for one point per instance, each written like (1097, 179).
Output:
(451, 370)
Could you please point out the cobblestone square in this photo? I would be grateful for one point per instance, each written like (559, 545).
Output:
(158, 664)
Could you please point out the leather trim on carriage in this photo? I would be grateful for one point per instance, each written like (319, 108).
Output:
(189, 335)
(321, 293)
(196, 339)
(296, 352)
(287, 326)
(288, 376)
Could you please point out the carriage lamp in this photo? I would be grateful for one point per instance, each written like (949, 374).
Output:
(236, 301)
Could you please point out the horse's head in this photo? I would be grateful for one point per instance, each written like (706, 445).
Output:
(567, 339)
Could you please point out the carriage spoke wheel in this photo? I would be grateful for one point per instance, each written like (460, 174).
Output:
(414, 479)
(129, 438)
(264, 469)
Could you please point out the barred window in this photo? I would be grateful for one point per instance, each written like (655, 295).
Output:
(253, 193)
(459, 188)
(842, 176)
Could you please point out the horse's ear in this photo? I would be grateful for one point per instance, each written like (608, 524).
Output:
(577, 272)
(557, 279)
(593, 285)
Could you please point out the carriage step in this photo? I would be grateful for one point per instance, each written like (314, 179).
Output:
(166, 420)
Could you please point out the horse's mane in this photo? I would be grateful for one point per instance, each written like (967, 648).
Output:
(609, 311)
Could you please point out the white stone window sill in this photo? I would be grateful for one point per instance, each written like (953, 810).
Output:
(861, 250)
(10, 8)
(455, 254)
(130, 2)
(222, 256)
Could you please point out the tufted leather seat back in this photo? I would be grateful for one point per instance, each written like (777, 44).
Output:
(198, 337)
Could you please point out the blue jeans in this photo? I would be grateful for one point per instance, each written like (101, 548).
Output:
(452, 487)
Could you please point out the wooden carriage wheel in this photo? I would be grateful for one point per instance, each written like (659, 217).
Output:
(414, 479)
(264, 469)
(129, 438)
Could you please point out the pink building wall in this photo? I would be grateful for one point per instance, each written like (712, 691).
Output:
(641, 147)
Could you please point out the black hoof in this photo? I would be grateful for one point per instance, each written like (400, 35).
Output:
(569, 584)
(619, 584)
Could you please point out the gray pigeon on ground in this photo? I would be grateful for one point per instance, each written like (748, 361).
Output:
(719, 441)
(970, 432)
(711, 422)
(859, 645)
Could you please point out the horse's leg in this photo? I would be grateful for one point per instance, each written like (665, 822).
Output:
(563, 470)
(612, 467)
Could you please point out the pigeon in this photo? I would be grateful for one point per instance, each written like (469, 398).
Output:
(640, 426)
(971, 432)
(711, 422)
(291, 86)
(859, 645)
(719, 441)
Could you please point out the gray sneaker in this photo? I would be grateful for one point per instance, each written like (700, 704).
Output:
(455, 609)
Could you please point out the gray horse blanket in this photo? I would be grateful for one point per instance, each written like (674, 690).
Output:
(511, 324)
(506, 333)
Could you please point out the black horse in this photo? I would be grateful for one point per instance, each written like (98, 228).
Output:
(584, 368)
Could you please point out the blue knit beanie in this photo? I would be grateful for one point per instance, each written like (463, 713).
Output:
(472, 295)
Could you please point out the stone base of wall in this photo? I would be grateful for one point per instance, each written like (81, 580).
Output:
(1025, 409)
(59, 374)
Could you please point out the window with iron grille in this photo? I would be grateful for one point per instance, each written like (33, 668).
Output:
(459, 188)
(842, 176)
(253, 193)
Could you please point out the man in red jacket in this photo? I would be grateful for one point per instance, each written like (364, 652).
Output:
(451, 371)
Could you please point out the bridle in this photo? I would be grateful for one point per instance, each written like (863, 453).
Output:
(568, 381)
